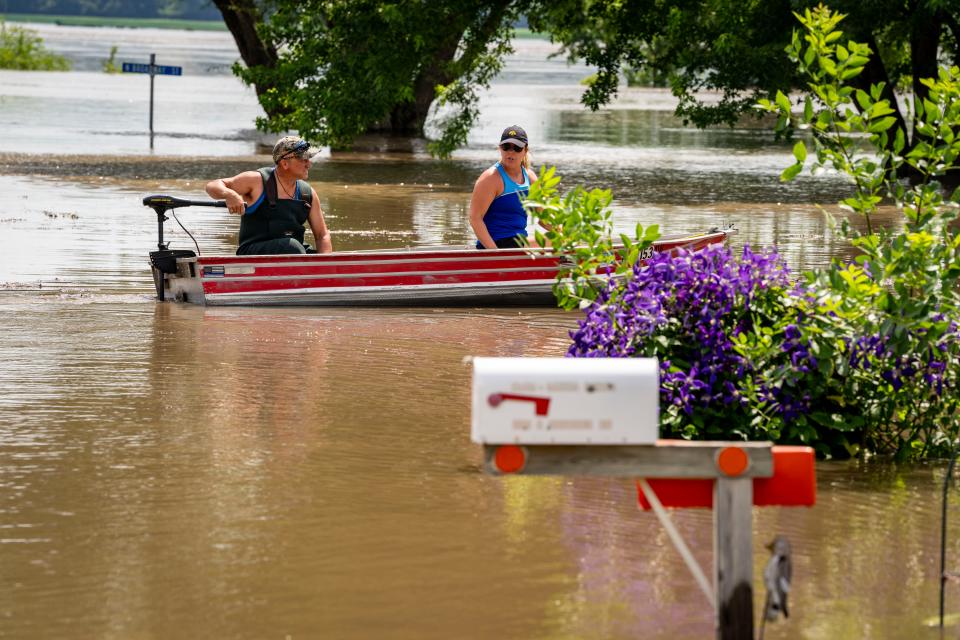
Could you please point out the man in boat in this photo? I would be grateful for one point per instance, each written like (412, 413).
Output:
(496, 206)
(274, 202)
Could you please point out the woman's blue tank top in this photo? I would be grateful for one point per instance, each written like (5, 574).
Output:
(506, 217)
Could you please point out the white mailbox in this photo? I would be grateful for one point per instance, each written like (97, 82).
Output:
(565, 400)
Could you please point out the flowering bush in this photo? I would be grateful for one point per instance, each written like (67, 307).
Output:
(687, 310)
(859, 357)
(744, 353)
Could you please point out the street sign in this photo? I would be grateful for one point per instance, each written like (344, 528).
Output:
(152, 69)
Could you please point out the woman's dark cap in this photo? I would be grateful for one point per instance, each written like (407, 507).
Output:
(514, 134)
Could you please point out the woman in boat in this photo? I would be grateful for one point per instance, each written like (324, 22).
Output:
(496, 206)
(275, 202)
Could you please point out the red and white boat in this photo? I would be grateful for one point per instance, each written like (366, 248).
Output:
(432, 276)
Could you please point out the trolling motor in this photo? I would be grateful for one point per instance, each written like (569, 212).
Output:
(164, 259)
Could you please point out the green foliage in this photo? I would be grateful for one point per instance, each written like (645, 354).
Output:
(730, 46)
(894, 310)
(735, 48)
(580, 225)
(345, 67)
(110, 64)
(23, 49)
(645, 77)
(859, 357)
(334, 69)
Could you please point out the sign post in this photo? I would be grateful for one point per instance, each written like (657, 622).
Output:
(153, 69)
(599, 417)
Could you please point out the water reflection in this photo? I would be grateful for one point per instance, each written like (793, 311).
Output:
(311, 470)
(292, 464)
(639, 124)
(236, 445)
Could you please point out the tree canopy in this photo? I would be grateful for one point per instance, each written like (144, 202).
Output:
(737, 47)
(333, 69)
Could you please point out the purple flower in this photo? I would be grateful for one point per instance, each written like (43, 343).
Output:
(695, 302)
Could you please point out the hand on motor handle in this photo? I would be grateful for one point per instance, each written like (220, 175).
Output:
(235, 203)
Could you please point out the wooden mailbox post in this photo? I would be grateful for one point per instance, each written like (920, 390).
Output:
(593, 417)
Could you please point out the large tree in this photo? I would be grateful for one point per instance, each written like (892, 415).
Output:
(333, 69)
(243, 18)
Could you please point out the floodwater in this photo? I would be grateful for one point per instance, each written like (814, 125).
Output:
(175, 471)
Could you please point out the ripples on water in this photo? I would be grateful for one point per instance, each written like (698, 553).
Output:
(311, 469)
(179, 471)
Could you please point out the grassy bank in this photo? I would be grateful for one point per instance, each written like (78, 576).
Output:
(131, 23)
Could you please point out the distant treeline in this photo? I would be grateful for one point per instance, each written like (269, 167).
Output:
(185, 9)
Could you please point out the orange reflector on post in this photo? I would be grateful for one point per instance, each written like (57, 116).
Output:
(793, 484)
(732, 461)
(509, 458)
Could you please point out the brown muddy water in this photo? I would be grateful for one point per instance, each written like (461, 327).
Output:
(175, 471)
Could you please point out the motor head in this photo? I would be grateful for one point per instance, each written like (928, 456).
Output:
(161, 203)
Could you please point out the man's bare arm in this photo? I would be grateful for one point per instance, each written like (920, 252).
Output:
(238, 191)
(319, 226)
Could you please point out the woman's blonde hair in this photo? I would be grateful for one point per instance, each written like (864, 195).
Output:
(526, 158)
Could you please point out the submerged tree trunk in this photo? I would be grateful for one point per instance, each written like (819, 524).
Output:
(241, 18)
(874, 73)
(408, 118)
(924, 46)
(923, 53)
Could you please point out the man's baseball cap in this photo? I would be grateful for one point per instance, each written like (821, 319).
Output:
(514, 134)
(293, 147)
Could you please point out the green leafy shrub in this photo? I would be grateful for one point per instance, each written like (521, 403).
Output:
(580, 225)
(859, 357)
(23, 49)
(885, 326)
(110, 64)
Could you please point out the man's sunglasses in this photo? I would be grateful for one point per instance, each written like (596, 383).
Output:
(303, 145)
(509, 146)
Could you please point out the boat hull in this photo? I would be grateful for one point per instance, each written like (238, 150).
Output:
(432, 277)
